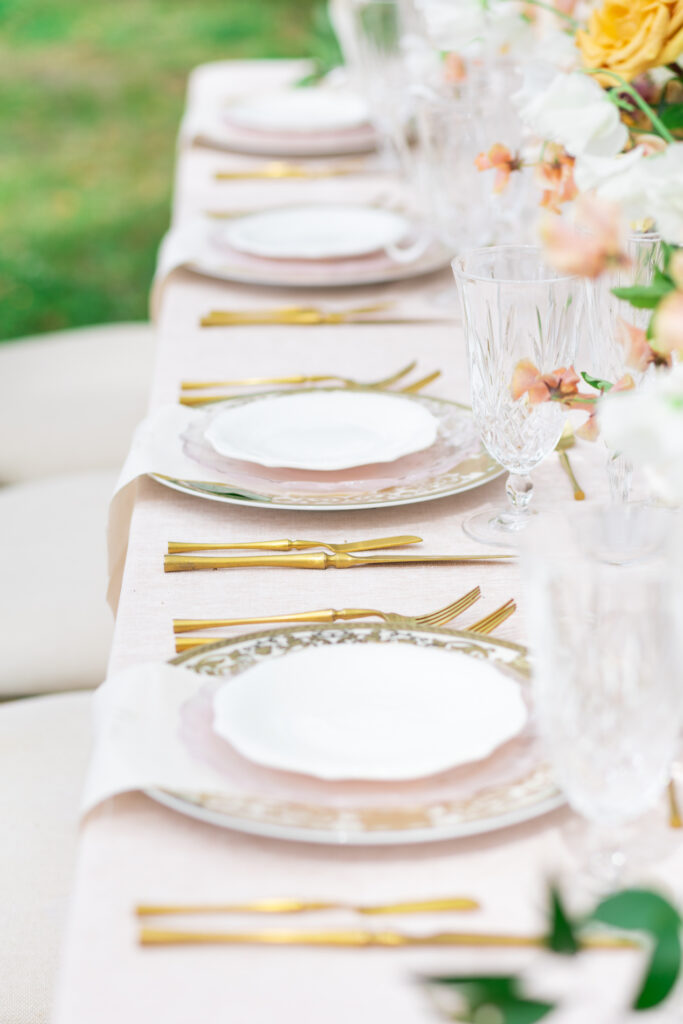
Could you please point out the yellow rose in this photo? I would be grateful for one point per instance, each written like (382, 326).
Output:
(632, 36)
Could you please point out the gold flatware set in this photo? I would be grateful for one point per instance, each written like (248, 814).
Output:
(297, 380)
(277, 170)
(344, 938)
(305, 316)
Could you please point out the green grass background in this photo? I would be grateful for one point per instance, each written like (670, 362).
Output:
(91, 92)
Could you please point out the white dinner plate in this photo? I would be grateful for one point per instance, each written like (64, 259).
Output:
(317, 232)
(389, 712)
(304, 111)
(329, 430)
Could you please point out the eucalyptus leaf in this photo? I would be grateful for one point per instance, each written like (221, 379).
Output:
(644, 911)
(498, 993)
(562, 937)
(644, 296)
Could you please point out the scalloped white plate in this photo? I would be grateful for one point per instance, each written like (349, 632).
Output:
(329, 430)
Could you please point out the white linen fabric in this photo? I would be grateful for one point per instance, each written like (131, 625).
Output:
(45, 744)
(69, 401)
(133, 850)
(56, 627)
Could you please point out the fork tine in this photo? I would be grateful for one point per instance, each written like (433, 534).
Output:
(494, 618)
(412, 389)
(444, 615)
(394, 377)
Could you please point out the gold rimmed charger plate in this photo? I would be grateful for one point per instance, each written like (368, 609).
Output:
(528, 792)
(473, 470)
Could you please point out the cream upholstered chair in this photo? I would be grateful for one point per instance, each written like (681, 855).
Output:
(55, 624)
(44, 745)
(69, 401)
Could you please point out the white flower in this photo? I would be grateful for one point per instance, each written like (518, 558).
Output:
(647, 188)
(618, 179)
(575, 111)
(472, 28)
(646, 425)
(664, 184)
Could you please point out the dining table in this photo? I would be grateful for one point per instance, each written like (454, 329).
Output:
(133, 850)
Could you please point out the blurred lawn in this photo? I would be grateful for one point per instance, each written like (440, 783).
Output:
(91, 92)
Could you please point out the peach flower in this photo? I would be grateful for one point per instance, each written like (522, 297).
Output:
(668, 326)
(555, 175)
(590, 247)
(502, 160)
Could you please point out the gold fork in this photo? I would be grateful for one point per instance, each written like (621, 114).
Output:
(493, 619)
(436, 618)
(294, 379)
(292, 906)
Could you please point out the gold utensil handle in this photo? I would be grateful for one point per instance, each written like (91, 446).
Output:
(375, 544)
(579, 495)
(358, 938)
(318, 560)
(323, 615)
(183, 563)
(255, 382)
(675, 820)
(292, 906)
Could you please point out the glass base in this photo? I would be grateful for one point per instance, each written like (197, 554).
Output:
(498, 526)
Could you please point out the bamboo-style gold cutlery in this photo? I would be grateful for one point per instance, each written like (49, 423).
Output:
(355, 938)
(317, 560)
(374, 544)
(567, 441)
(485, 626)
(296, 380)
(276, 170)
(437, 618)
(494, 619)
(675, 819)
(305, 316)
(293, 906)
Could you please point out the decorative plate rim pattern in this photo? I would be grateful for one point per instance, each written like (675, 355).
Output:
(495, 807)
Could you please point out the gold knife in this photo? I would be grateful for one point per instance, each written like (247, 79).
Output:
(318, 560)
(377, 543)
(357, 938)
(291, 906)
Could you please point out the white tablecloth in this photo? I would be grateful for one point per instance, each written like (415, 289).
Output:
(133, 850)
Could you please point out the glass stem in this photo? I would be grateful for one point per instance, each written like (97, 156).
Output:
(619, 474)
(520, 491)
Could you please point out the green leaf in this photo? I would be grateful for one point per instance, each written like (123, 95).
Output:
(498, 993)
(638, 910)
(672, 117)
(597, 382)
(562, 937)
(662, 972)
(660, 278)
(644, 296)
(645, 911)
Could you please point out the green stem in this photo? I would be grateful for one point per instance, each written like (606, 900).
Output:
(626, 87)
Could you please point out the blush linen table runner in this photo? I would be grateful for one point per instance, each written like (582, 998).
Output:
(133, 850)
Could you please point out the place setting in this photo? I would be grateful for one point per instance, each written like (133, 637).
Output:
(311, 121)
(311, 245)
